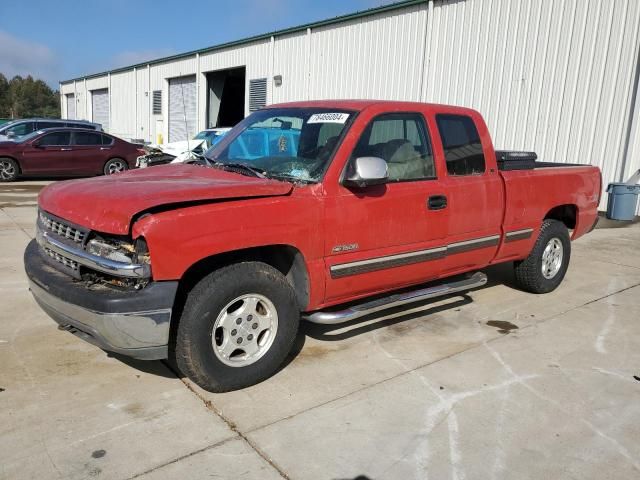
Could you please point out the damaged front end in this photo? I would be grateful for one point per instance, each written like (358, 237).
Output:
(99, 287)
(154, 156)
(93, 257)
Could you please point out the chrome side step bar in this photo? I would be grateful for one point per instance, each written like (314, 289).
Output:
(478, 279)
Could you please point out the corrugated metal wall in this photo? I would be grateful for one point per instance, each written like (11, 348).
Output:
(556, 77)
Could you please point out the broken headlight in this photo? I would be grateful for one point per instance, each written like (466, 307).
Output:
(120, 250)
(116, 251)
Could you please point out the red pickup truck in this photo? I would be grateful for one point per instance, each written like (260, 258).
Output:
(303, 210)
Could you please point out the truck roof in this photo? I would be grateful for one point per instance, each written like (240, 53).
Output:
(362, 104)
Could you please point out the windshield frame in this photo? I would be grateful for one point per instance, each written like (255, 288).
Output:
(213, 152)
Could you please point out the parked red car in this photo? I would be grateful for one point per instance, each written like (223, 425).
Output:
(213, 265)
(66, 152)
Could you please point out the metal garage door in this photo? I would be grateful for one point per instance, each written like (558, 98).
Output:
(182, 108)
(100, 107)
(71, 106)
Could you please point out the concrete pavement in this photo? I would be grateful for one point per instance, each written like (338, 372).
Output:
(494, 384)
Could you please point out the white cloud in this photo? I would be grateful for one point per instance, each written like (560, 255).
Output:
(23, 57)
(124, 59)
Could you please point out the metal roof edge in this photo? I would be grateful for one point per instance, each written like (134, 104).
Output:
(263, 36)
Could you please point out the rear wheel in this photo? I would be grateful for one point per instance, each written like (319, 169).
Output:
(115, 165)
(9, 169)
(237, 327)
(544, 269)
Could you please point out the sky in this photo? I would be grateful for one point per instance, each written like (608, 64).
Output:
(62, 39)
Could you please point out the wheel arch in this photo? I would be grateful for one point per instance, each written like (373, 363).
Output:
(287, 259)
(14, 159)
(567, 214)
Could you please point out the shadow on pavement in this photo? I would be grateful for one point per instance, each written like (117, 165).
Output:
(497, 275)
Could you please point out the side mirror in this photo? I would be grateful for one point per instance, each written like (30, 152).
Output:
(11, 134)
(366, 171)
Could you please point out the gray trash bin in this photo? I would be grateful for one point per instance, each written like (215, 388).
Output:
(623, 201)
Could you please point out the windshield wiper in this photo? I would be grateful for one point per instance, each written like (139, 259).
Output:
(256, 172)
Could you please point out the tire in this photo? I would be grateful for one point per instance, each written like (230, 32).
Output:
(115, 165)
(219, 313)
(9, 169)
(545, 267)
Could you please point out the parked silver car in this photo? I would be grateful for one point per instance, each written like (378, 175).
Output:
(18, 128)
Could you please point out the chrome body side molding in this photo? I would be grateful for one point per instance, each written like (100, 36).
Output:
(514, 235)
(402, 259)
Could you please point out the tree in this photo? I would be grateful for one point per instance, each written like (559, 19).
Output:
(4, 96)
(26, 97)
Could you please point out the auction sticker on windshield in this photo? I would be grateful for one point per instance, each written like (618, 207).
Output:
(328, 118)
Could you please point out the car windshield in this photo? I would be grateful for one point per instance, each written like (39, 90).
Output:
(201, 136)
(294, 144)
(5, 126)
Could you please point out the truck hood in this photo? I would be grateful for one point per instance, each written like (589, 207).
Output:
(108, 204)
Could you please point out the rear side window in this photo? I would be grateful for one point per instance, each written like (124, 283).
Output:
(55, 139)
(106, 140)
(81, 125)
(462, 147)
(86, 138)
(43, 125)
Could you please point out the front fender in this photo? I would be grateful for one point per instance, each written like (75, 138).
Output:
(180, 238)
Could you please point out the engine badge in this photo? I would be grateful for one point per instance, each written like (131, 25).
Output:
(344, 248)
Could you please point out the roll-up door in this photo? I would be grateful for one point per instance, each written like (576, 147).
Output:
(71, 106)
(100, 107)
(182, 108)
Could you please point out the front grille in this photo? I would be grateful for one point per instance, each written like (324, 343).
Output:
(67, 262)
(62, 229)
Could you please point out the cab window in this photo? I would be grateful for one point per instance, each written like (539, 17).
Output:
(401, 140)
(461, 143)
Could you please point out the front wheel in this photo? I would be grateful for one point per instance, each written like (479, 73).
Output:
(115, 165)
(543, 270)
(237, 327)
(9, 169)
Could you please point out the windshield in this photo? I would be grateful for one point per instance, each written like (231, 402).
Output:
(18, 129)
(290, 143)
(5, 126)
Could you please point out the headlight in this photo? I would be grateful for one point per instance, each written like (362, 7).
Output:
(116, 251)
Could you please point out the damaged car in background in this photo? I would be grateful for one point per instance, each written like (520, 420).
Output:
(183, 151)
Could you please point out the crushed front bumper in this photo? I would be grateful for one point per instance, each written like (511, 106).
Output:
(134, 323)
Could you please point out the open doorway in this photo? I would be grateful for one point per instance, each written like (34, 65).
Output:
(225, 97)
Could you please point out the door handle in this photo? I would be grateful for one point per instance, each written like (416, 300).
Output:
(105, 148)
(437, 202)
(65, 149)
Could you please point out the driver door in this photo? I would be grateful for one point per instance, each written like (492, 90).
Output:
(387, 236)
(49, 154)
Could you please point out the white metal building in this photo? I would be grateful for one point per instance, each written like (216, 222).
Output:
(559, 77)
